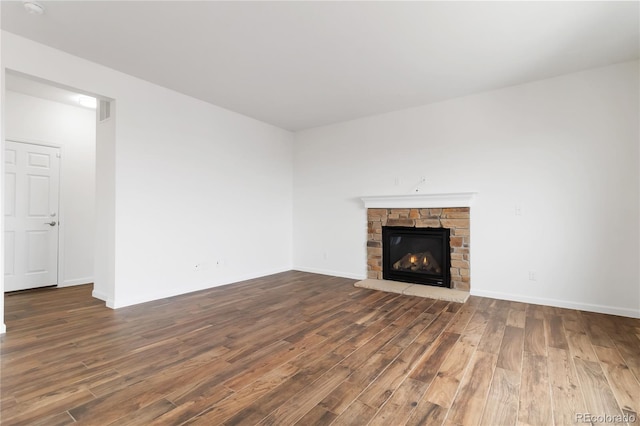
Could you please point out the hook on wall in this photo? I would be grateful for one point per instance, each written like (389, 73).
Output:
(421, 182)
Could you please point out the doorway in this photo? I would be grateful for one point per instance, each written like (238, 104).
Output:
(48, 127)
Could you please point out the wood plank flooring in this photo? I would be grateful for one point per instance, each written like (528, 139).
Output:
(299, 348)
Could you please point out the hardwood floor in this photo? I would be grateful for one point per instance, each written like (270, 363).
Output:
(310, 349)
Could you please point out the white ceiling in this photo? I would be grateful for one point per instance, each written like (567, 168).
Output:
(305, 64)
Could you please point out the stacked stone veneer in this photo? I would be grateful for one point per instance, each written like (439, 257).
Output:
(455, 218)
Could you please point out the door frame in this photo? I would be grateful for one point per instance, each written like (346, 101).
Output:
(60, 245)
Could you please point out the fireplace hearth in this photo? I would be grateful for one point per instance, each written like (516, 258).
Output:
(416, 255)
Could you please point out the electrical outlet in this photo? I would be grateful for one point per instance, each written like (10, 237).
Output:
(533, 276)
(325, 255)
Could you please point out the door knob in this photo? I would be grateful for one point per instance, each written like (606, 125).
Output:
(52, 223)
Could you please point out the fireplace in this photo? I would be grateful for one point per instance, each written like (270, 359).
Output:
(416, 255)
(454, 219)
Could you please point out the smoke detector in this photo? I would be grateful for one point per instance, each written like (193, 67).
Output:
(33, 8)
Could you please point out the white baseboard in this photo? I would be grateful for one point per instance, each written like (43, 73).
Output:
(330, 273)
(116, 304)
(99, 295)
(104, 297)
(77, 281)
(246, 277)
(3, 329)
(611, 310)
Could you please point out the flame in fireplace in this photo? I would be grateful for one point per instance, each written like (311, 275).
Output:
(418, 262)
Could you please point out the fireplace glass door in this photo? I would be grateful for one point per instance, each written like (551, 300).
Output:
(416, 255)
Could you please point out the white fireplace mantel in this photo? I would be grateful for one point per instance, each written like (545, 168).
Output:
(455, 199)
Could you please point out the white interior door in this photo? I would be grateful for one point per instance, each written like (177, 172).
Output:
(32, 179)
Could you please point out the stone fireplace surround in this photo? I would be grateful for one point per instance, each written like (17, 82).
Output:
(422, 211)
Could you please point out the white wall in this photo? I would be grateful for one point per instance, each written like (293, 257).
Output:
(565, 149)
(194, 183)
(31, 119)
(105, 231)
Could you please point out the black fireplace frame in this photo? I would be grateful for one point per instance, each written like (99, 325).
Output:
(440, 280)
